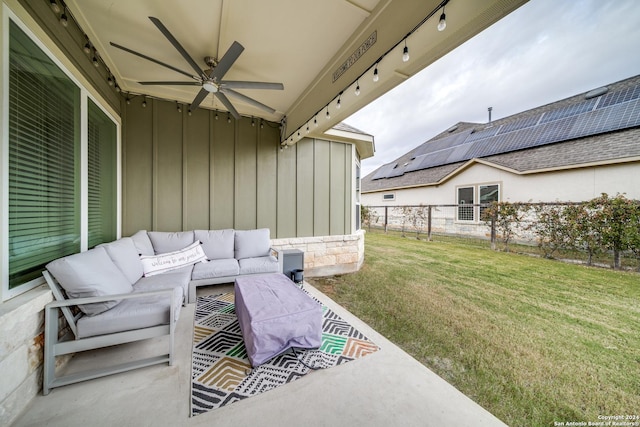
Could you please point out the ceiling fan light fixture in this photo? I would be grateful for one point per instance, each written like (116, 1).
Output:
(210, 86)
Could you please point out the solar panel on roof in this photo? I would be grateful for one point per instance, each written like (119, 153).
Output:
(484, 133)
(520, 124)
(622, 95)
(384, 169)
(613, 111)
(569, 110)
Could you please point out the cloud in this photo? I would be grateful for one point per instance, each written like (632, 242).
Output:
(545, 51)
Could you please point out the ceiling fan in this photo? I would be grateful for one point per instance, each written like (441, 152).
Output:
(210, 80)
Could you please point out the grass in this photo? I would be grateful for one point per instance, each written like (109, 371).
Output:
(534, 341)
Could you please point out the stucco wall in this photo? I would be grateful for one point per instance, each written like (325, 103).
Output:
(570, 185)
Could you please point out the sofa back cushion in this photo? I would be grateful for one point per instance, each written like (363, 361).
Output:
(161, 263)
(252, 243)
(90, 274)
(143, 243)
(217, 244)
(124, 255)
(164, 242)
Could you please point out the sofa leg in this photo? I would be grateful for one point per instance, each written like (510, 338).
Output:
(50, 340)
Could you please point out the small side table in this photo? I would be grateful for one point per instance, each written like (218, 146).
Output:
(293, 259)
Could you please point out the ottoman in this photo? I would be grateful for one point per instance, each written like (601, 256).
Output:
(275, 315)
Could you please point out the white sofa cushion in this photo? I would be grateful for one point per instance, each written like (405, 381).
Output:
(179, 277)
(124, 255)
(143, 243)
(90, 274)
(217, 244)
(264, 264)
(164, 242)
(161, 263)
(215, 268)
(252, 243)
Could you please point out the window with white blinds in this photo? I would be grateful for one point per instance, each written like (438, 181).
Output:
(101, 177)
(44, 164)
(44, 131)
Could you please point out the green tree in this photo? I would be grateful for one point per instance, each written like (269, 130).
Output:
(614, 216)
(583, 229)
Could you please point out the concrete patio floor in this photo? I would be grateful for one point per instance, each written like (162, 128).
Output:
(386, 388)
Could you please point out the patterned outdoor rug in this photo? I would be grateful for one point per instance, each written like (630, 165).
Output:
(221, 373)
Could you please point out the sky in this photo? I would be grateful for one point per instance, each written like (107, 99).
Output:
(545, 51)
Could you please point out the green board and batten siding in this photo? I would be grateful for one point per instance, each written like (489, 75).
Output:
(184, 172)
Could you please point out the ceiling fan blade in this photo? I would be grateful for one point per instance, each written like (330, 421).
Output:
(172, 83)
(198, 99)
(251, 85)
(177, 45)
(249, 101)
(148, 58)
(226, 61)
(225, 101)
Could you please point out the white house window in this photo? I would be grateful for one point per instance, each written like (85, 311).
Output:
(389, 196)
(488, 194)
(46, 175)
(465, 202)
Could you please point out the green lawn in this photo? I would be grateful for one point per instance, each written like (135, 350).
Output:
(534, 341)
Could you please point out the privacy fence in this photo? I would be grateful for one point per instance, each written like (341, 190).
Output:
(604, 226)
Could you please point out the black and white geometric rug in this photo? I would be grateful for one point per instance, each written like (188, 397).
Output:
(221, 373)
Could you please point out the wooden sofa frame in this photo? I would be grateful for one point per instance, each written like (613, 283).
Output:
(55, 346)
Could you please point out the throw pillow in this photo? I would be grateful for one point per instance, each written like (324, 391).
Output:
(161, 263)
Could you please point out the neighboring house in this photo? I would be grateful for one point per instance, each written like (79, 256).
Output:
(570, 150)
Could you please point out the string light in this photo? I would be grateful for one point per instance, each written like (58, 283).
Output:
(55, 6)
(376, 75)
(144, 103)
(253, 122)
(63, 20)
(228, 117)
(179, 107)
(442, 24)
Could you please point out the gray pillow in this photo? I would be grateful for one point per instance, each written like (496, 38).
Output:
(124, 255)
(90, 274)
(164, 242)
(252, 243)
(143, 243)
(217, 244)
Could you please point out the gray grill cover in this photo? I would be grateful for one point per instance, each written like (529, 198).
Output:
(275, 315)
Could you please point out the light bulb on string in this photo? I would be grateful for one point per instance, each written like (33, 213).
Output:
(442, 24)
(376, 77)
(357, 88)
(405, 52)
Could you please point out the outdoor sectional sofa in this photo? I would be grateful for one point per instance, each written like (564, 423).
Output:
(132, 289)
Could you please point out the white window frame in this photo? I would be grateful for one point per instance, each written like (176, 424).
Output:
(473, 213)
(85, 93)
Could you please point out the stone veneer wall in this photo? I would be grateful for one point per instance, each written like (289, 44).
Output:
(327, 255)
(21, 351)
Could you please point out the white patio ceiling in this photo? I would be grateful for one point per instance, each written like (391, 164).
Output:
(300, 43)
